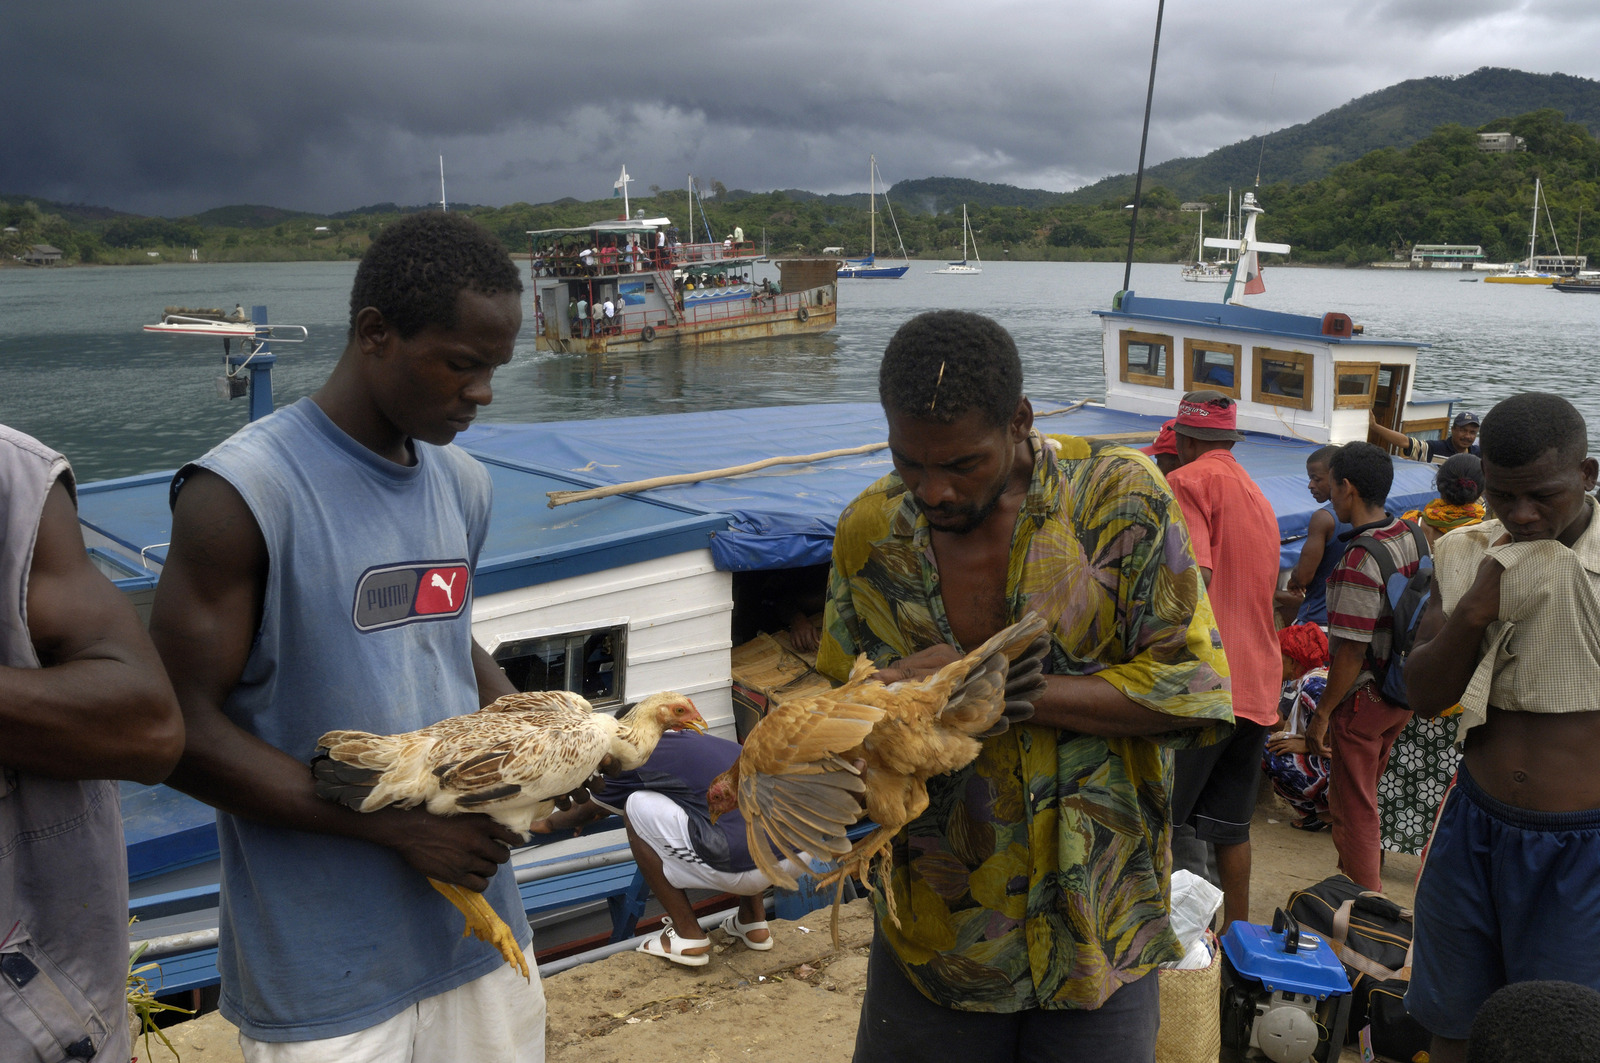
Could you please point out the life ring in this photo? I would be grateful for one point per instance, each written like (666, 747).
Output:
(801, 314)
(647, 333)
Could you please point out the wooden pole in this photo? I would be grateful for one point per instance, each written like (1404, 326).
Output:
(562, 498)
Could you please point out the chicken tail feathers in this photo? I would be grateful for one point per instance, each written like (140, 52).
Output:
(348, 784)
(1002, 678)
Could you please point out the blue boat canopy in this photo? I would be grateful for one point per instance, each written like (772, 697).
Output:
(784, 516)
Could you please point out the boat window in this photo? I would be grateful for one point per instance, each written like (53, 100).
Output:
(1355, 384)
(585, 662)
(1282, 378)
(1146, 359)
(1211, 364)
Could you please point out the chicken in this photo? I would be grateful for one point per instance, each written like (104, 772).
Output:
(808, 768)
(509, 760)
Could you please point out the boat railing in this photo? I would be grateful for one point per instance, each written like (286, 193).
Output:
(632, 323)
(567, 263)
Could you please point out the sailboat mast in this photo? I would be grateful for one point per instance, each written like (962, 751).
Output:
(444, 208)
(964, 234)
(872, 205)
(1230, 218)
(1533, 229)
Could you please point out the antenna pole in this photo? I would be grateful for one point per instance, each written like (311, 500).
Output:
(1144, 137)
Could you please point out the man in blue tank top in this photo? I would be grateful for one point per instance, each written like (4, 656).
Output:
(320, 577)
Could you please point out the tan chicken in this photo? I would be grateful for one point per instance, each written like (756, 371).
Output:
(797, 779)
(509, 760)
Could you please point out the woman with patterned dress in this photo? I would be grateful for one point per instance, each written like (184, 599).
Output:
(1298, 776)
(1424, 757)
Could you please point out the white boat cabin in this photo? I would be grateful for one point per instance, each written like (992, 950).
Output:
(1295, 375)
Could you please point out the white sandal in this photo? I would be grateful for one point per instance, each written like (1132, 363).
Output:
(651, 946)
(733, 928)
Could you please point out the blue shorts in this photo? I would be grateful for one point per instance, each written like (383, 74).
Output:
(1507, 895)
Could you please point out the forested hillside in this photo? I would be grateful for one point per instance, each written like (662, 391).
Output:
(1395, 117)
(1440, 189)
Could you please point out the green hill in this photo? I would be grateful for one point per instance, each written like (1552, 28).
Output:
(1395, 117)
(247, 216)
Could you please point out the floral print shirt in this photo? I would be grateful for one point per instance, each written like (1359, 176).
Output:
(1039, 875)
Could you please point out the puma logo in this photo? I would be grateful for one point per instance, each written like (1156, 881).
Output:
(448, 588)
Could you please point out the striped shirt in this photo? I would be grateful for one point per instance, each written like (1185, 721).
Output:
(1358, 607)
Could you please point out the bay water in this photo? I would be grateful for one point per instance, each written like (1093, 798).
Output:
(77, 372)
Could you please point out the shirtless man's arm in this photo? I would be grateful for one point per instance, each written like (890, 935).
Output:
(100, 707)
(207, 610)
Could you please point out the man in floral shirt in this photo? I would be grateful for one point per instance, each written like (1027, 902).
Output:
(1032, 895)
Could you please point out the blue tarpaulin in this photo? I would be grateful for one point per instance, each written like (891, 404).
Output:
(784, 516)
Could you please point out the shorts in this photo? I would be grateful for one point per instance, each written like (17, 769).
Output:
(1214, 788)
(497, 1018)
(1506, 895)
(663, 825)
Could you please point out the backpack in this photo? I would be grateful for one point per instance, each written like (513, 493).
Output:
(1408, 600)
(1371, 935)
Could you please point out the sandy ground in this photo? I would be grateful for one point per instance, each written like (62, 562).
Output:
(797, 1003)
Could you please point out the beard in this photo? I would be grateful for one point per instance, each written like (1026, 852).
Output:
(962, 519)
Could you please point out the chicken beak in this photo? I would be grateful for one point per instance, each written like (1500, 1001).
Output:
(697, 724)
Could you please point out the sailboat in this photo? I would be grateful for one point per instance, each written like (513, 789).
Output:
(1218, 271)
(1246, 264)
(868, 268)
(1523, 272)
(962, 267)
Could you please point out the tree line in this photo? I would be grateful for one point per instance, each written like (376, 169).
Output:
(1441, 189)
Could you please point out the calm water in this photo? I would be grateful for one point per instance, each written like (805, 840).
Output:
(77, 372)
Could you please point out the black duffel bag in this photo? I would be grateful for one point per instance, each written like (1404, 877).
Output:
(1371, 935)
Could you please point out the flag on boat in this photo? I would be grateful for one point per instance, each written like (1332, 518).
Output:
(1248, 269)
(1253, 284)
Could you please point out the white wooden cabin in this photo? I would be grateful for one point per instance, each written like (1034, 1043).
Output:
(1295, 375)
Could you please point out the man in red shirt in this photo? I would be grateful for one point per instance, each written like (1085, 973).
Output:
(1235, 536)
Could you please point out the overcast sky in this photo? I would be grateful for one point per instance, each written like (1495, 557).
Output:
(171, 107)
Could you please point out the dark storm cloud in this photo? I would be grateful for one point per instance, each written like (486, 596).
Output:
(180, 106)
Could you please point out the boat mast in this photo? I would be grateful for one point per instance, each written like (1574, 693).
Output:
(964, 231)
(1230, 220)
(1533, 230)
(443, 206)
(872, 205)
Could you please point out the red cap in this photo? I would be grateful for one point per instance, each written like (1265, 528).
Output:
(1208, 415)
(1166, 442)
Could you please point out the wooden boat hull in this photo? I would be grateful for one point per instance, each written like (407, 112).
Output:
(700, 334)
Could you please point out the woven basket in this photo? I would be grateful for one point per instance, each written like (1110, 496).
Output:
(1191, 1012)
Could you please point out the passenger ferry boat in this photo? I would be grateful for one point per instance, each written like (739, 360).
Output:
(664, 290)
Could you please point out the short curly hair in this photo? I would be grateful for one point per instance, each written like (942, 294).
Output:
(1367, 468)
(1537, 1022)
(942, 364)
(416, 268)
(1519, 430)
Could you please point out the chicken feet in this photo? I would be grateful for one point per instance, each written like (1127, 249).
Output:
(484, 923)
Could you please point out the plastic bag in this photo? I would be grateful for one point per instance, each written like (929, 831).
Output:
(1194, 904)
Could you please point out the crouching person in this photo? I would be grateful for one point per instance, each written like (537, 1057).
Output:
(677, 847)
